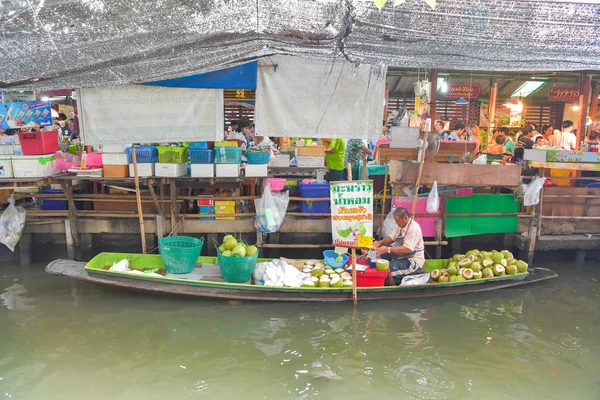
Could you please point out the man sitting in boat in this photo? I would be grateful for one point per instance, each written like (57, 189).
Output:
(404, 248)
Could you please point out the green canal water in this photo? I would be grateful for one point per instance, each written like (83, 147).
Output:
(60, 340)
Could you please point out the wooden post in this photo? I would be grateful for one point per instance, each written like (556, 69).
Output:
(157, 205)
(585, 85)
(438, 238)
(383, 201)
(174, 212)
(492, 109)
(364, 168)
(354, 291)
(433, 79)
(594, 101)
(138, 198)
(419, 172)
(67, 188)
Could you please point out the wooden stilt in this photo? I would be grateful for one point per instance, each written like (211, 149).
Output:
(138, 198)
(173, 207)
(354, 291)
(383, 201)
(418, 182)
(157, 204)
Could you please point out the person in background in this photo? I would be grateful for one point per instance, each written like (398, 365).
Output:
(547, 130)
(384, 139)
(459, 131)
(594, 135)
(334, 158)
(538, 140)
(443, 134)
(509, 143)
(474, 134)
(355, 150)
(567, 139)
(498, 147)
(404, 248)
(525, 139)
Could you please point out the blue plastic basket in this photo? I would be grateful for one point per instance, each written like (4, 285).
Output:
(233, 155)
(202, 156)
(180, 253)
(143, 154)
(258, 158)
(198, 145)
(331, 256)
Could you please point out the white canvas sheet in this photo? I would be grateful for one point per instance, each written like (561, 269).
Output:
(310, 98)
(150, 114)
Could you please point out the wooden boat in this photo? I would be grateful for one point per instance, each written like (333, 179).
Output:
(204, 282)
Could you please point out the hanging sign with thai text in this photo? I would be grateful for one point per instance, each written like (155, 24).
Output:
(457, 90)
(566, 94)
(351, 211)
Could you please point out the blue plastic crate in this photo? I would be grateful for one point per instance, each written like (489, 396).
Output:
(55, 204)
(314, 191)
(198, 145)
(143, 154)
(208, 210)
(228, 155)
(202, 156)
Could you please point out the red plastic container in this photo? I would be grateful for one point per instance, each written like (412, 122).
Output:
(93, 160)
(37, 143)
(371, 277)
(276, 183)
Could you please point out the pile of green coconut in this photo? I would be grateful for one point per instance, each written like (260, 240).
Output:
(477, 264)
(324, 276)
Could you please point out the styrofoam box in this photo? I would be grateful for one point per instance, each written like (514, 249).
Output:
(170, 170)
(114, 148)
(227, 170)
(31, 167)
(309, 161)
(145, 169)
(203, 170)
(281, 160)
(534, 155)
(256, 170)
(7, 149)
(114, 159)
(6, 170)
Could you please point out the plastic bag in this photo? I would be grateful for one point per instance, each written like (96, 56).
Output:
(279, 273)
(481, 160)
(413, 280)
(12, 223)
(532, 193)
(259, 273)
(433, 200)
(270, 210)
(389, 224)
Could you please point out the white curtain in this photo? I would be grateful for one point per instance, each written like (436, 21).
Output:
(150, 114)
(310, 98)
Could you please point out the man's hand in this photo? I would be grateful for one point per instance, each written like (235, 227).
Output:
(382, 250)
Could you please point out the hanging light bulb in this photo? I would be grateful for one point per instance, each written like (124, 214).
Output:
(462, 101)
(575, 107)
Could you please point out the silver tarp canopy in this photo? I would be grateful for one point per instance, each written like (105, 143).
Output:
(50, 44)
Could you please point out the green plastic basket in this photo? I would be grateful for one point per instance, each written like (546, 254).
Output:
(180, 253)
(237, 269)
(172, 155)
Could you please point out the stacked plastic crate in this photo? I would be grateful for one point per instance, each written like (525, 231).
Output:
(172, 161)
(203, 160)
(227, 160)
(146, 158)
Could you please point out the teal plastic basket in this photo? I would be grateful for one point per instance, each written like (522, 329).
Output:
(237, 269)
(258, 158)
(180, 253)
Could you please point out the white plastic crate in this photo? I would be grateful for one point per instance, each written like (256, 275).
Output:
(34, 166)
(281, 160)
(203, 170)
(170, 170)
(6, 149)
(6, 170)
(256, 170)
(144, 169)
(310, 161)
(114, 147)
(227, 170)
(114, 159)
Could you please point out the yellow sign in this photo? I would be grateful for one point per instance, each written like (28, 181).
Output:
(364, 241)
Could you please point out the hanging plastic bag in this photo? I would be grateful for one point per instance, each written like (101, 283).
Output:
(389, 224)
(270, 210)
(433, 200)
(481, 160)
(413, 280)
(12, 223)
(532, 193)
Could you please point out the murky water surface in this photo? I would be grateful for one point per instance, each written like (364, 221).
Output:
(60, 340)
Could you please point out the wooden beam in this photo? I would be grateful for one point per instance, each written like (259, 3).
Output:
(492, 108)
(433, 79)
(594, 101)
(586, 86)
(138, 198)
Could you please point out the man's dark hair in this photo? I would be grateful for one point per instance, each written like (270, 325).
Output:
(62, 117)
(529, 128)
(440, 123)
(567, 124)
(459, 125)
(401, 212)
(505, 130)
(545, 127)
(500, 139)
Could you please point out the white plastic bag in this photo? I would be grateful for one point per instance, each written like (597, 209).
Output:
(532, 193)
(413, 280)
(433, 200)
(389, 224)
(12, 223)
(481, 160)
(270, 210)
(279, 273)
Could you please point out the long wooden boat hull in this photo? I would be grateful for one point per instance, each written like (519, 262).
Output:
(233, 291)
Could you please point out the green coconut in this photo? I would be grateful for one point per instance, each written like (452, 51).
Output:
(467, 273)
(382, 265)
(346, 275)
(230, 243)
(308, 285)
(452, 278)
(317, 272)
(339, 271)
(497, 257)
(221, 249)
(435, 274)
(453, 270)
(521, 266)
(511, 270)
(227, 253)
(477, 274)
(324, 281)
(471, 252)
(239, 251)
(444, 271)
(499, 270)
(307, 270)
(487, 262)
(465, 262)
(507, 254)
(347, 283)
(329, 271)
(452, 264)
(456, 258)
(476, 266)
(444, 278)
(251, 250)
(460, 278)
(487, 273)
(336, 281)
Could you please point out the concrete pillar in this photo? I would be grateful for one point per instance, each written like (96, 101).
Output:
(25, 245)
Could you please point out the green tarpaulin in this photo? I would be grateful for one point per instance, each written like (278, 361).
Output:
(481, 204)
